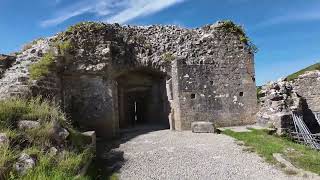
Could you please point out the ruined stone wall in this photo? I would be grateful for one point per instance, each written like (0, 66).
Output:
(85, 79)
(220, 88)
(280, 98)
(15, 80)
(5, 62)
(90, 100)
(307, 86)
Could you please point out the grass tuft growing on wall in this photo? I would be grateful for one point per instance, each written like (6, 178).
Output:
(42, 67)
(231, 27)
(168, 57)
(64, 47)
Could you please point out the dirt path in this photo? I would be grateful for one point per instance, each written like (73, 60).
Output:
(184, 155)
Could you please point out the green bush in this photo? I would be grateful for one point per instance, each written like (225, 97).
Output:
(42, 67)
(85, 26)
(230, 27)
(259, 94)
(64, 47)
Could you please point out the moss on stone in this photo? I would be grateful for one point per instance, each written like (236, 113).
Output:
(168, 57)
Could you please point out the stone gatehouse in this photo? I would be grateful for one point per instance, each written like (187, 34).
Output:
(108, 77)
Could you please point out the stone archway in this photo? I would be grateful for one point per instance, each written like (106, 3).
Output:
(142, 99)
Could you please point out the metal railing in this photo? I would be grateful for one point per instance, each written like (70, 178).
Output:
(317, 116)
(303, 134)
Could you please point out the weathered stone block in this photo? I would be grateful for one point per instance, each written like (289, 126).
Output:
(24, 163)
(25, 124)
(202, 127)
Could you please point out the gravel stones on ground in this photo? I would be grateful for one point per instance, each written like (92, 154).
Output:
(185, 155)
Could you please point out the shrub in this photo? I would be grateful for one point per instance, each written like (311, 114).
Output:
(230, 27)
(42, 67)
(85, 26)
(259, 94)
(64, 47)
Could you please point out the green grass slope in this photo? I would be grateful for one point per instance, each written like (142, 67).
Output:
(296, 74)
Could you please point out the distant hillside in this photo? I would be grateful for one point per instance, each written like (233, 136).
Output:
(310, 68)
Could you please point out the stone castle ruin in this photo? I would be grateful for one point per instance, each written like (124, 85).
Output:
(111, 77)
(279, 99)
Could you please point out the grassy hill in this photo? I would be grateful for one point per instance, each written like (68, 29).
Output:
(296, 74)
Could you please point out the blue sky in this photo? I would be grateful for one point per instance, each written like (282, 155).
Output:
(287, 32)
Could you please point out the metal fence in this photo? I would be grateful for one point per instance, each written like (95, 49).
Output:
(303, 134)
(317, 116)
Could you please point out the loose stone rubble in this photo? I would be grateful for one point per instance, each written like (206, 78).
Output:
(24, 163)
(280, 98)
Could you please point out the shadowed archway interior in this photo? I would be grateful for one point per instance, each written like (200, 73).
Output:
(142, 99)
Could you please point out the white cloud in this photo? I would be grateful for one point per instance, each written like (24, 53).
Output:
(110, 11)
(63, 18)
(141, 8)
(291, 17)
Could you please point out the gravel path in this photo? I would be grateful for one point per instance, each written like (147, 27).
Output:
(184, 155)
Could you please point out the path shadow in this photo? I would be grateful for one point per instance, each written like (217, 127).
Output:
(309, 118)
(109, 159)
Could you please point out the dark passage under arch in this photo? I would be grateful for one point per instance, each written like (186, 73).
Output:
(142, 99)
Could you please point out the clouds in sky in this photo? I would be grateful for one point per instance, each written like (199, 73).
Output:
(111, 11)
(303, 15)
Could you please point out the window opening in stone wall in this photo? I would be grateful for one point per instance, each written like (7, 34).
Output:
(193, 96)
(241, 94)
